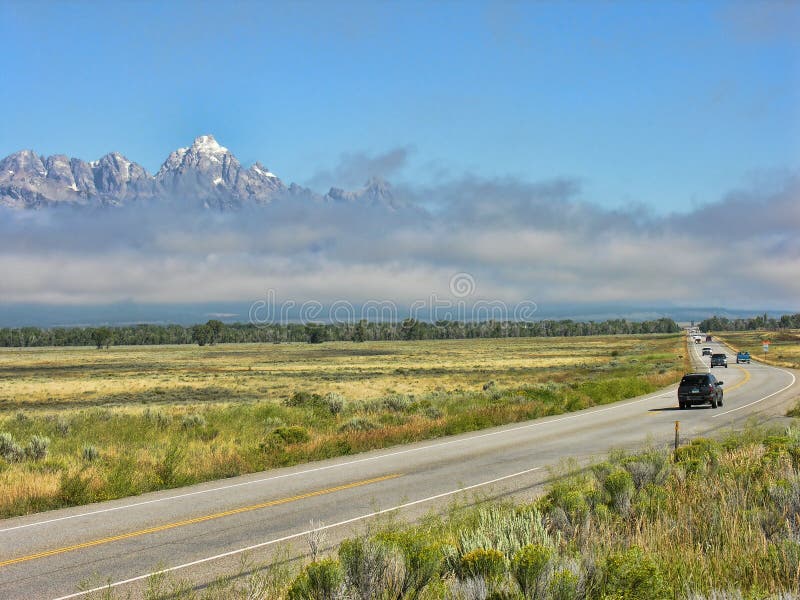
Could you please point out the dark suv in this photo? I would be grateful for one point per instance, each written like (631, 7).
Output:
(699, 388)
(719, 360)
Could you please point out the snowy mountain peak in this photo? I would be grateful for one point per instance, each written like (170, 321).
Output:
(204, 174)
(207, 143)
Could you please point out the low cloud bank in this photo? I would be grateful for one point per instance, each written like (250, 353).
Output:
(518, 241)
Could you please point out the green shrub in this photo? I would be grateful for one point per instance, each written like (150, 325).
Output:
(488, 564)
(633, 575)
(75, 489)
(292, 434)
(321, 580)
(619, 487)
(564, 585)
(331, 402)
(422, 560)
(167, 469)
(301, 399)
(699, 449)
(531, 567)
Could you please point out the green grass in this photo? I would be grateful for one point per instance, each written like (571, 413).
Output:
(159, 431)
(717, 519)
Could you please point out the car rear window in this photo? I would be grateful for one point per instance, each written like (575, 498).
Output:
(717, 356)
(694, 380)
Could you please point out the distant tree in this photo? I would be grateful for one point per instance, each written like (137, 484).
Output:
(215, 328)
(102, 337)
(315, 333)
(410, 329)
(360, 331)
(201, 334)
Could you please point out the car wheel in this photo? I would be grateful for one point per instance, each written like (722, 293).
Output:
(720, 401)
(713, 403)
(681, 405)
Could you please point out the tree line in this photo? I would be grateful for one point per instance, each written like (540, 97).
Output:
(214, 332)
(764, 321)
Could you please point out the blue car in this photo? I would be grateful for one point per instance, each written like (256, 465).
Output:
(742, 357)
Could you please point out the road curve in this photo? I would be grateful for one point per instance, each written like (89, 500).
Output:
(202, 531)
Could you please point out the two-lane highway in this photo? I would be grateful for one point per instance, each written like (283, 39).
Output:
(200, 531)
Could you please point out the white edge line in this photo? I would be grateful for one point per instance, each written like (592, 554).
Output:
(294, 535)
(615, 406)
(760, 399)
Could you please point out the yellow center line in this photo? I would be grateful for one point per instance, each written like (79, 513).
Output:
(742, 382)
(202, 519)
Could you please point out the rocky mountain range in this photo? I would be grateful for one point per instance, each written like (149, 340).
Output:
(204, 173)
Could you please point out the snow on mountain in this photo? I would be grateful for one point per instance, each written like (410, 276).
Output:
(205, 173)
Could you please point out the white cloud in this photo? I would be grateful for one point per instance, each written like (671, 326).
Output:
(520, 242)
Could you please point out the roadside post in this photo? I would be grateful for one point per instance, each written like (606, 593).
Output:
(677, 435)
(765, 345)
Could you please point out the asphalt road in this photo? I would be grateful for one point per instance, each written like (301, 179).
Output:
(203, 531)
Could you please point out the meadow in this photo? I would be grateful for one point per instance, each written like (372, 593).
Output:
(784, 348)
(79, 425)
(714, 520)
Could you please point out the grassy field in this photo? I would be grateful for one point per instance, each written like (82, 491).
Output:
(79, 425)
(784, 347)
(716, 520)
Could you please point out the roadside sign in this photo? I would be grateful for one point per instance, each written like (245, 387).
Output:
(765, 345)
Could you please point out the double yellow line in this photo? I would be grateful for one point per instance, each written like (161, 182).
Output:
(211, 517)
(742, 382)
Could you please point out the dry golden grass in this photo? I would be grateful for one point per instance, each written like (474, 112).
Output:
(156, 417)
(784, 348)
(63, 377)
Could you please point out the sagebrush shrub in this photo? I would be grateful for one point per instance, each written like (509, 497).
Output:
(62, 426)
(9, 449)
(369, 569)
(396, 403)
(90, 453)
(193, 420)
(37, 447)
(357, 424)
(334, 402)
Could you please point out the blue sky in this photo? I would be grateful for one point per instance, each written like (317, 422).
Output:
(667, 105)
